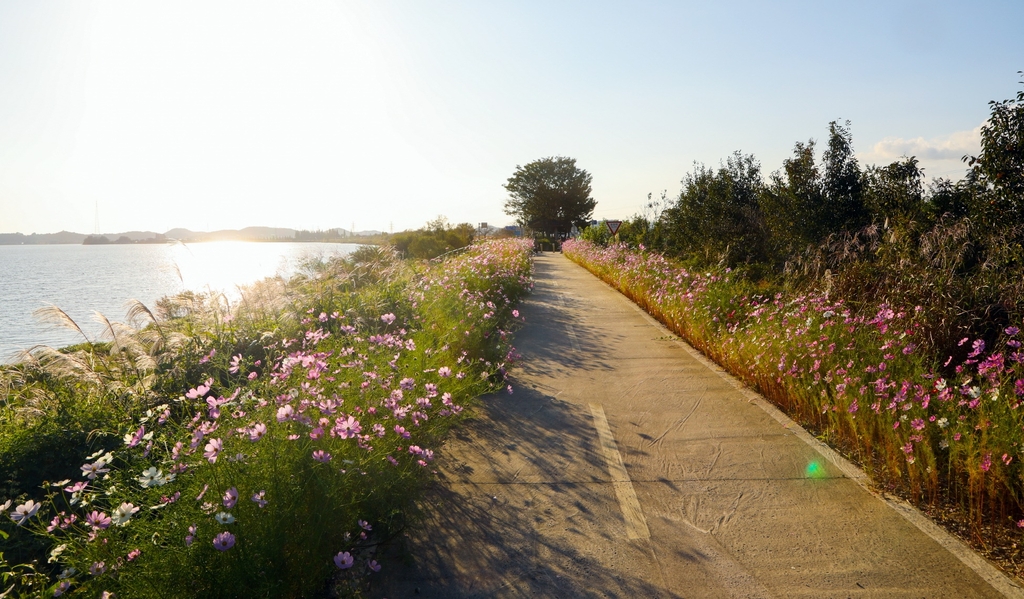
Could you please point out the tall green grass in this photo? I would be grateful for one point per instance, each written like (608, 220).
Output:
(264, 449)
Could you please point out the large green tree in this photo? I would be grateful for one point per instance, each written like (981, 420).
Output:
(550, 196)
(717, 216)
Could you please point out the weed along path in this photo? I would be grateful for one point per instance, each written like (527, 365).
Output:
(623, 466)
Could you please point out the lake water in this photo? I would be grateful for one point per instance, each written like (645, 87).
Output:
(83, 279)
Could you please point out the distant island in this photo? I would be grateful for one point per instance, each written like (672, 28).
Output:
(269, 234)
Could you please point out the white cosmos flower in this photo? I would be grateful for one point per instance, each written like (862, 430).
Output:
(151, 477)
(224, 518)
(23, 512)
(57, 551)
(123, 514)
(91, 471)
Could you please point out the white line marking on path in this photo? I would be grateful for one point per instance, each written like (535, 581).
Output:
(636, 524)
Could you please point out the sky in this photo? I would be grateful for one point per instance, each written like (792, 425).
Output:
(386, 114)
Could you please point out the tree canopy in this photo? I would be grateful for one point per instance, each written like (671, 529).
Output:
(550, 195)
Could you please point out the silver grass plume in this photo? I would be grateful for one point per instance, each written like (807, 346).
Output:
(54, 316)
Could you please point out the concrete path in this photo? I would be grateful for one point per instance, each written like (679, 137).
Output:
(624, 467)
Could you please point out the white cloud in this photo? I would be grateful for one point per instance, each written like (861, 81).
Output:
(949, 147)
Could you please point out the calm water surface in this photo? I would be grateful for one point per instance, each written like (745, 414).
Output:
(83, 279)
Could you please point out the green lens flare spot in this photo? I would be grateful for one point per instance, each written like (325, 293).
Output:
(815, 470)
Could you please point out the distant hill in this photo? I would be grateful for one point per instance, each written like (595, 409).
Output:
(187, 235)
(40, 239)
(246, 234)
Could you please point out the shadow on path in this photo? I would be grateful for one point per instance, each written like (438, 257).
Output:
(481, 539)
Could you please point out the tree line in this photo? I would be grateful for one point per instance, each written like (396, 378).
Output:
(870, 233)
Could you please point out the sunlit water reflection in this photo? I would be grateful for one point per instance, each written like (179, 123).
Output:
(82, 279)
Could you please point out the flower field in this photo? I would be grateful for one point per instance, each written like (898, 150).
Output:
(934, 428)
(264, 449)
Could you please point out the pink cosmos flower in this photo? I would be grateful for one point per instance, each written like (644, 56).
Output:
(348, 428)
(75, 488)
(230, 497)
(388, 318)
(212, 450)
(191, 536)
(321, 456)
(285, 413)
(61, 588)
(402, 432)
(444, 372)
(199, 391)
(97, 568)
(373, 565)
(133, 554)
(344, 560)
(136, 438)
(258, 498)
(97, 520)
(257, 431)
(224, 541)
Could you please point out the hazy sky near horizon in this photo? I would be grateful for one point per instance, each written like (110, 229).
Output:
(382, 114)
